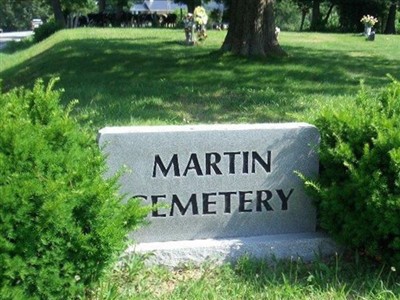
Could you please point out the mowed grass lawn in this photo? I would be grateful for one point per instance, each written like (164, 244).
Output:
(148, 76)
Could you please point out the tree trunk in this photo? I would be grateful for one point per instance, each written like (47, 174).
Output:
(58, 14)
(391, 20)
(328, 14)
(102, 5)
(303, 18)
(191, 4)
(252, 29)
(118, 12)
(316, 16)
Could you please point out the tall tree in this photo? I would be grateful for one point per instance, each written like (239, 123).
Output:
(304, 7)
(102, 5)
(318, 19)
(17, 15)
(316, 15)
(391, 19)
(351, 11)
(252, 29)
(58, 14)
(191, 4)
(63, 7)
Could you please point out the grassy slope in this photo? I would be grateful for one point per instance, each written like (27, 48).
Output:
(133, 76)
(148, 76)
(248, 279)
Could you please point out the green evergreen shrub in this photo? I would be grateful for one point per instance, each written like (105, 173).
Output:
(358, 190)
(45, 30)
(61, 221)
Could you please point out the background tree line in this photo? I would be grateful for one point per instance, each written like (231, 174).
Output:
(328, 15)
(313, 15)
(345, 15)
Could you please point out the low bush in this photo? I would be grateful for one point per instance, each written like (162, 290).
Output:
(358, 190)
(45, 30)
(61, 221)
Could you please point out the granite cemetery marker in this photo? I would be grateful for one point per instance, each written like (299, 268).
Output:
(216, 181)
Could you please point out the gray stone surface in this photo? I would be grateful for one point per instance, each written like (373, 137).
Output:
(6, 37)
(224, 181)
(304, 246)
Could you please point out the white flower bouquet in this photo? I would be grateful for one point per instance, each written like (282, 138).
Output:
(369, 20)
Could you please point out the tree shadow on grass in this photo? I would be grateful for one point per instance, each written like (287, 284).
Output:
(121, 81)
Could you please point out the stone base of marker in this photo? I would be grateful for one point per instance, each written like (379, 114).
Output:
(304, 246)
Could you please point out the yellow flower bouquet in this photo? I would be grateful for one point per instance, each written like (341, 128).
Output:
(200, 15)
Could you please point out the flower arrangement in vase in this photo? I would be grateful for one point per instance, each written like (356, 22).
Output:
(368, 22)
